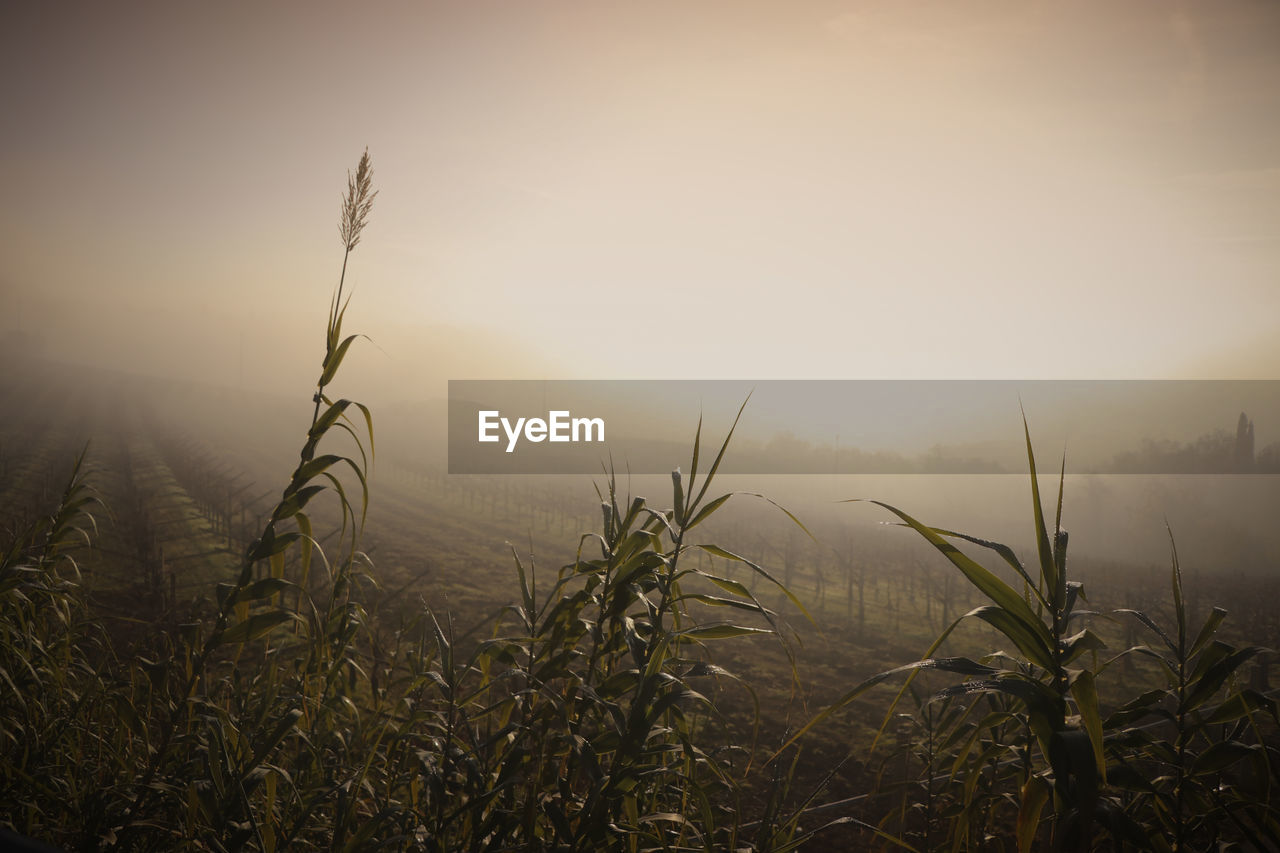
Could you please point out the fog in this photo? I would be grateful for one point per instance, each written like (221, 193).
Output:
(699, 191)
(1054, 190)
(901, 232)
(1220, 522)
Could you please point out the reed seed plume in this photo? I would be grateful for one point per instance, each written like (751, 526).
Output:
(357, 203)
(355, 213)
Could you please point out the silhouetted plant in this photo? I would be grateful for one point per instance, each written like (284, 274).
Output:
(589, 714)
(283, 717)
(1044, 740)
(1175, 747)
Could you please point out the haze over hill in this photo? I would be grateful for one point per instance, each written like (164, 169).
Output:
(708, 191)
(703, 190)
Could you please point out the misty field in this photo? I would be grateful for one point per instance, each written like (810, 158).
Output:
(225, 627)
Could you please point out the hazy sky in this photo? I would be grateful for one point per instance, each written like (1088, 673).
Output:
(667, 189)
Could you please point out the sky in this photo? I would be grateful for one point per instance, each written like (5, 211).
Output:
(816, 189)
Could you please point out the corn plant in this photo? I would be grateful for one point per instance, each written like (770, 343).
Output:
(1043, 739)
(246, 758)
(282, 717)
(926, 744)
(1195, 765)
(47, 684)
(590, 726)
(1039, 674)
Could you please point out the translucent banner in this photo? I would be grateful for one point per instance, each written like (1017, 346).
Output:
(865, 426)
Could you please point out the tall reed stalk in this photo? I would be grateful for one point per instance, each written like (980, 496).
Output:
(1140, 775)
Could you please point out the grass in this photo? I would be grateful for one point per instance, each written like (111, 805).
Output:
(1165, 770)
(645, 693)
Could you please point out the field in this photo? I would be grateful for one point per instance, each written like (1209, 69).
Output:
(387, 656)
(454, 563)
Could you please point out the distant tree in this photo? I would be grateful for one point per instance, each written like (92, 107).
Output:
(1268, 459)
(1244, 443)
(1217, 452)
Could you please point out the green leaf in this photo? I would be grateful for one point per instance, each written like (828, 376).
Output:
(987, 583)
(729, 555)
(1179, 607)
(707, 510)
(1038, 698)
(1221, 755)
(308, 544)
(1034, 795)
(1048, 567)
(677, 489)
(715, 466)
(671, 700)
(719, 601)
(1005, 552)
(1216, 675)
(256, 626)
(309, 469)
(295, 502)
(285, 725)
(1150, 623)
(368, 422)
(1208, 630)
(264, 588)
(721, 631)
(327, 419)
(1240, 704)
(729, 585)
(1078, 644)
(1027, 640)
(1085, 692)
(334, 360)
(1135, 709)
(526, 590)
(697, 446)
(272, 543)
